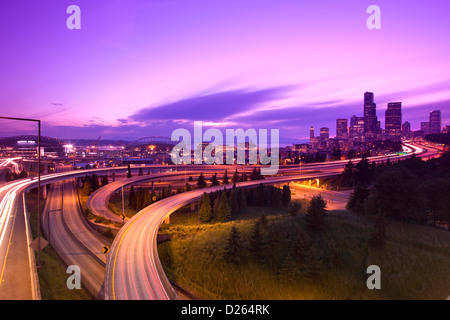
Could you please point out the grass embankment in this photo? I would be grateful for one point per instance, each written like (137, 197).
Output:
(52, 273)
(98, 219)
(414, 263)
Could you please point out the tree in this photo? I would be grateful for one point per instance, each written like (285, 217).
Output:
(94, 182)
(286, 196)
(224, 209)
(104, 181)
(315, 216)
(294, 208)
(357, 198)
(235, 178)
(398, 195)
(234, 247)
(234, 202)
(363, 172)
(242, 201)
(129, 171)
(300, 246)
(256, 241)
(201, 181)
(214, 180)
(347, 176)
(87, 187)
(205, 209)
(225, 179)
(289, 270)
(313, 265)
(437, 191)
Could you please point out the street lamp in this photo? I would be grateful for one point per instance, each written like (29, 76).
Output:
(39, 179)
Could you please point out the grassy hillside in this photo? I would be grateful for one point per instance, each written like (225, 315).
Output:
(414, 263)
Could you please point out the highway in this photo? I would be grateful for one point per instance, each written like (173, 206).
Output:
(71, 237)
(133, 269)
(18, 269)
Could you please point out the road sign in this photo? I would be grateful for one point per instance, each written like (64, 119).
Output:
(154, 198)
(105, 249)
(34, 245)
(122, 216)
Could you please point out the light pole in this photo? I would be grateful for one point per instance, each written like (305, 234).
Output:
(39, 179)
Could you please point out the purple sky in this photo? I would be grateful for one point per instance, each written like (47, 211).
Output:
(140, 68)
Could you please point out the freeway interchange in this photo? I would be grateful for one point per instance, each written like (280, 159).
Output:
(131, 269)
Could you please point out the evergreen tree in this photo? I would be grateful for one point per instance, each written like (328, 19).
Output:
(260, 195)
(94, 182)
(315, 217)
(242, 201)
(224, 210)
(357, 198)
(254, 175)
(214, 180)
(300, 246)
(129, 171)
(225, 179)
(256, 241)
(201, 181)
(234, 202)
(235, 178)
(234, 247)
(347, 176)
(289, 270)
(104, 181)
(216, 208)
(87, 188)
(313, 265)
(275, 196)
(286, 196)
(205, 209)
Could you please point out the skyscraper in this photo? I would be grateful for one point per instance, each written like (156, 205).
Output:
(435, 121)
(370, 116)
(425, 127)
(393, 119)
(324, 133)
(311, 132)
(357, 129)
(342, 129)
(406, 130)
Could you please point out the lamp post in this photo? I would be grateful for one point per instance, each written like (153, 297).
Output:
(39, 179)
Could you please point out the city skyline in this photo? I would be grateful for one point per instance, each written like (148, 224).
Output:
(140, 68)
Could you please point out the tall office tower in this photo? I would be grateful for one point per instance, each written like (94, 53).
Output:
(342, 129)
(393, 120)
(324, 133)
(311, 132)
(425, 127)
(357, 129)
(406, 130)
(435, 121)
(370, 116)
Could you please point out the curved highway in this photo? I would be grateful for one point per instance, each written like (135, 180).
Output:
(133, 269)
